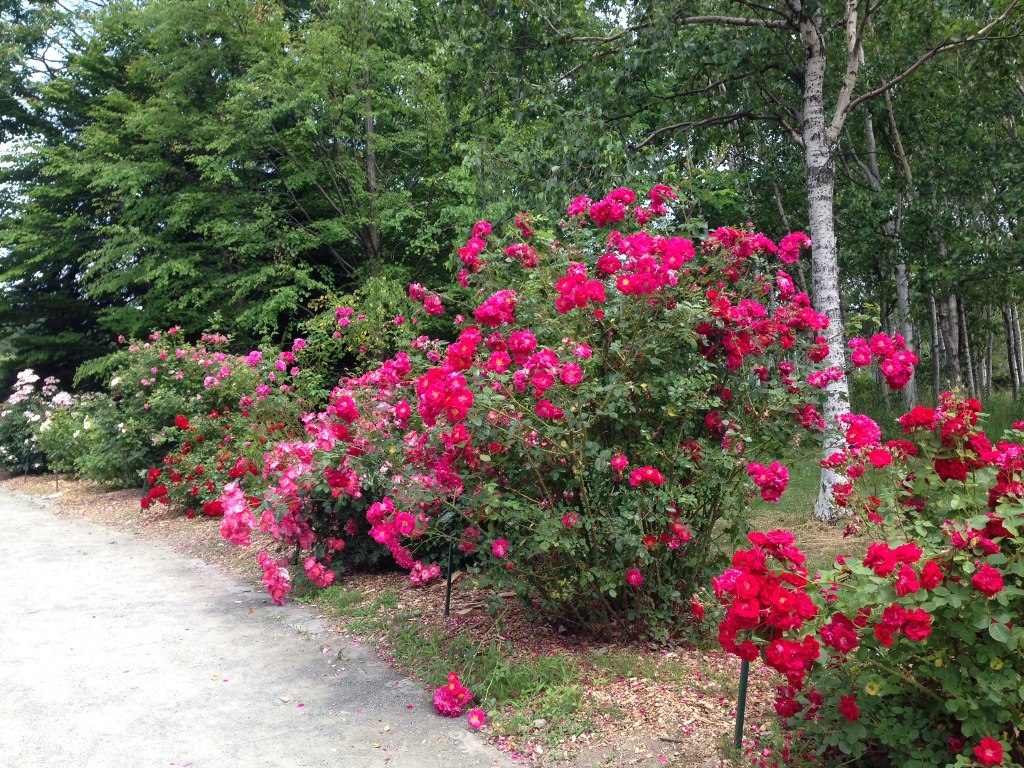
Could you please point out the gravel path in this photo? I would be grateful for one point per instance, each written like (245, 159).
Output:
(117, 653)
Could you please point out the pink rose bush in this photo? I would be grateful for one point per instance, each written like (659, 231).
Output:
(577, 412)
(187, 416)
(908, 653)
(585, 421)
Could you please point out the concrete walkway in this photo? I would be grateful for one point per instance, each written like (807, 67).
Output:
(116, 653)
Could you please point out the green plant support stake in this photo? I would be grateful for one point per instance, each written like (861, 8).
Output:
(448, 587)
(741, 704)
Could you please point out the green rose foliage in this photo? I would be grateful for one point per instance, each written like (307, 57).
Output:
(58, 437)
(187, 416)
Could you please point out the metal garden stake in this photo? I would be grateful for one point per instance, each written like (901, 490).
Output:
(741, 705)
(448, 587)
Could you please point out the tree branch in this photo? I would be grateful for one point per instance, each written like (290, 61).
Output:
(900, 152)
(854, 51)
(793, 133)
(324, 194)
(670, 97)
(735, 21)
(780, 208)
(860, 164)
(592, 38)
(869, 138)
(717, 120)
(978, 36)
(765, 8)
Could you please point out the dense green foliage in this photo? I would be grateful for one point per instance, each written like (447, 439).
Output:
(230, 166)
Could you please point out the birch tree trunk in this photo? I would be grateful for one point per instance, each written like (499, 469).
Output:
(936, 342)
(906, 328)
(991, 349)
(949, 323)
(902, 277)
(965, 345)
(936, 346)
(891, 228)
(372, 240)
(1011, 352)
(821, 172)
(1015, 324)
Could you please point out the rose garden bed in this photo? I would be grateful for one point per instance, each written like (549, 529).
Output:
(639, 705)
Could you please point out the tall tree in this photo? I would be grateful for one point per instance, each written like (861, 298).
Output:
(717, 62)
(962, 233)
(346, 111)
(46, 320)
(31, 37)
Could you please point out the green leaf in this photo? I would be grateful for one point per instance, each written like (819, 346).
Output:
(999, 632)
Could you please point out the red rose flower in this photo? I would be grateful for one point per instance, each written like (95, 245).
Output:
(918, 417)
(918, 624)
(988, 581)
(879, 457)
(931, 575)
(989, 752)
(906, 582)
(697, 608)
(951, 469)
(848, 708)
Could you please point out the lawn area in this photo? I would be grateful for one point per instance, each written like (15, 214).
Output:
(795, 512)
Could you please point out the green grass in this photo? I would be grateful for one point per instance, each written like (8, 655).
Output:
(339, 599)
(621, 663)
(1000, 411)
(489, 669)
(362, 617)
(516, 692)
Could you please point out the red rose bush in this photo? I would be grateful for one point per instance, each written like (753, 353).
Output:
(910, 653)
(607, 391)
